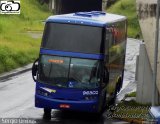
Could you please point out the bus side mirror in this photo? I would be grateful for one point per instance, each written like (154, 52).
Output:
(34, 70)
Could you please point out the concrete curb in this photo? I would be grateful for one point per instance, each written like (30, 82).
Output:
(15, 72)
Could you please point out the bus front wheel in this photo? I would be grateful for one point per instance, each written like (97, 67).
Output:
(47, 114)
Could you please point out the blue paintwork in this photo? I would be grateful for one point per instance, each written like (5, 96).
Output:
(73, 97)
(45, 102)
(78, 21)
(93, 18)
(72, 54)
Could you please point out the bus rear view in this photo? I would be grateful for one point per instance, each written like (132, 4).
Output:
(72, 71)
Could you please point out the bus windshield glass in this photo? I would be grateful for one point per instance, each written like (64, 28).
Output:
(74, 38)
(69, 72)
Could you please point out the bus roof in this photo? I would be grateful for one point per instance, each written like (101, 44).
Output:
(93, 18)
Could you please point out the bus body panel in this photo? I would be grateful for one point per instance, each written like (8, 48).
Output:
(53, 97)
(85, 106)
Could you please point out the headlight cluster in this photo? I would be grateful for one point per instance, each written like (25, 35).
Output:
(43, 93)
(90, 97)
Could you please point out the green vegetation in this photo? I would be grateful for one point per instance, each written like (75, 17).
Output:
(128, 8)
(17, 48)
(132, 94)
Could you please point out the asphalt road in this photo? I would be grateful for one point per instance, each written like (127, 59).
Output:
(17, 101)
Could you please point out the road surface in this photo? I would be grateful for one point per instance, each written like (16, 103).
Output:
(17, 98)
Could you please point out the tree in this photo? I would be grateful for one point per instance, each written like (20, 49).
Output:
(70, 6)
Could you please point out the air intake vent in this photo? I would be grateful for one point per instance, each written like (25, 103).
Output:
(90, 14)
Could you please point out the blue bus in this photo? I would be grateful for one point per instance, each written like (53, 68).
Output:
(81, 62)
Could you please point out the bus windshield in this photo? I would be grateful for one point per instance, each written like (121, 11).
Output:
(70, 37)
(69, 72)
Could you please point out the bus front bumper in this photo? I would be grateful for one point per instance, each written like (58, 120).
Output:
(86, 106)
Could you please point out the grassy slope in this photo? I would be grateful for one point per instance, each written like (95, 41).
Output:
(127, 8)
(16, 47)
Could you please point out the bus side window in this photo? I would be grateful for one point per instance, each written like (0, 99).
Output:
(108, 42)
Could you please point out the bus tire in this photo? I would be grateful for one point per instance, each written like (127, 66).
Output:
(47, 114)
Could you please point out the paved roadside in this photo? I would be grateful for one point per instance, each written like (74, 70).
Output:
(129, 83)
(15, 72)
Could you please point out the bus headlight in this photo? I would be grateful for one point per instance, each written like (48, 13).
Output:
(43, 93)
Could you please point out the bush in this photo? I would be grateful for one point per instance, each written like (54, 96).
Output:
(17, 48)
